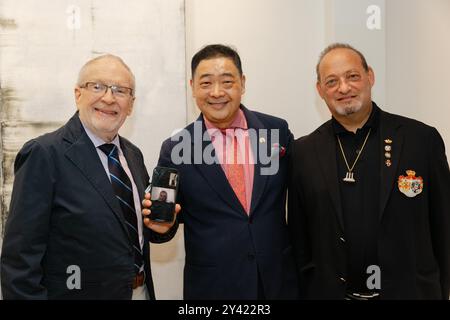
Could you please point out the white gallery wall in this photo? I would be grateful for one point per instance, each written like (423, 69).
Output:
(279, 42)
(418, 62)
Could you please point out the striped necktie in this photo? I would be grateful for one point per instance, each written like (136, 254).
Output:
(123, 190)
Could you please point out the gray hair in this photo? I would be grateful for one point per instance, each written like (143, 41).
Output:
(338, 45)
(84, 68)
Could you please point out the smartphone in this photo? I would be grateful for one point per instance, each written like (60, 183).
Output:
(163, 189)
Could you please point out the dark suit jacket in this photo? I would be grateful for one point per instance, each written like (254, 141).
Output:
(414, 233)
(63, 212)
(225, 247)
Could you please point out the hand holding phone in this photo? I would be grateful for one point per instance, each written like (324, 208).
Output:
(163, 189)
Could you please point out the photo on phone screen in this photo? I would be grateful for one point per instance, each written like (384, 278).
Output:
(164, 187)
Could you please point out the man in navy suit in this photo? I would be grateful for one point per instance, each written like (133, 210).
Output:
(369, 205)
(233, 178)
(68, 234)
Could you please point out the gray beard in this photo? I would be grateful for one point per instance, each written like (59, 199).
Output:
(348, 110)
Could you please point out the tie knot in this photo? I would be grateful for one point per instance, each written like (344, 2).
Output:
(231, 132)
(107, 148)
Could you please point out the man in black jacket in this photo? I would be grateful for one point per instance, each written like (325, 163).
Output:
(369, 205)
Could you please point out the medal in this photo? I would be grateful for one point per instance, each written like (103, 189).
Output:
(410, 185)
(387, 154)
(349, 175)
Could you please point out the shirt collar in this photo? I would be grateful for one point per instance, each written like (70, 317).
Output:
(239, 122)
(97, 141)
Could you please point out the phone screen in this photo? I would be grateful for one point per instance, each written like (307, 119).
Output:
(163, 190)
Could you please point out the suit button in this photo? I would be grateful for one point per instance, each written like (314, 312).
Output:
(251, 256)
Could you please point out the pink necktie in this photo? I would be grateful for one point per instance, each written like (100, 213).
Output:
(235, 176)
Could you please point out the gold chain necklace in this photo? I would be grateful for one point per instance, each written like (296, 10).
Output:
(349, 176)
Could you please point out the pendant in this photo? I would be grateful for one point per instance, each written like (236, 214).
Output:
(349, 177)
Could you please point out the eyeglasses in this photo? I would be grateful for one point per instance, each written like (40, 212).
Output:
(100, 88)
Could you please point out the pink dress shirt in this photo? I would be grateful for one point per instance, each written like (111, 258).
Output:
(223, 145)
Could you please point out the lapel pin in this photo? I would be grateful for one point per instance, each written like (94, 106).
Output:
(387, 154)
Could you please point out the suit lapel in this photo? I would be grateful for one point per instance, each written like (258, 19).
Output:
(83, 155)
(213, 173)
(259, 181)
(388, 130)
(325, 149)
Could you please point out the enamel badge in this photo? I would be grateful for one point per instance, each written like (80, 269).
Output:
(410, 185)
(388, 154)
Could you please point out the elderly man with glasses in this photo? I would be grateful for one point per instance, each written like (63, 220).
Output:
(75, 230)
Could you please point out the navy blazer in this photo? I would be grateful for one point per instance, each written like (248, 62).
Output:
(63, 212)
(413, 233)
(225, 247)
